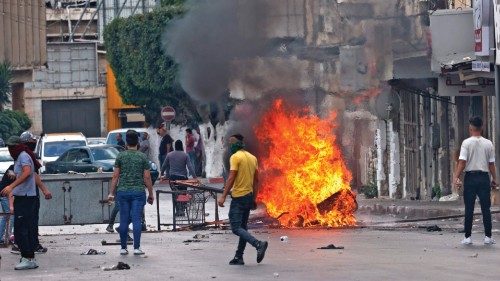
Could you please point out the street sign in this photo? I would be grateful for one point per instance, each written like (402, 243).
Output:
(168, 113)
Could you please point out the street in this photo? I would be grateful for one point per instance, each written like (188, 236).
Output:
(368, 255)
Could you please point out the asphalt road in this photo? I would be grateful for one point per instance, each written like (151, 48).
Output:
(368, 255)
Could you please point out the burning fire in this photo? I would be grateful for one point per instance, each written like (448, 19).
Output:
(303, 178)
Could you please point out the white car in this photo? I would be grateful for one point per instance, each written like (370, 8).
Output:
(51, 146)
(5, 160)
(111, 139)
(94, 141)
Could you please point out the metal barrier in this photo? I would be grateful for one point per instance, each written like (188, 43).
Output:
(76, 199)
(188, 207)
(188, 197)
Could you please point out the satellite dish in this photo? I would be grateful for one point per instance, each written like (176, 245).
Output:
(387, 105)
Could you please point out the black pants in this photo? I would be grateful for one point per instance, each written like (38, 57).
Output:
(24, 224)
(477, 184)
(37, 217)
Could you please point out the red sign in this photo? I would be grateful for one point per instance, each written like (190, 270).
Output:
(168, 113)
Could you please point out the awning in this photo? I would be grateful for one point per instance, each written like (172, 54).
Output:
(451, 60)
(135, 117)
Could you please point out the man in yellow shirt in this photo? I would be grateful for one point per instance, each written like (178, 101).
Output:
(242, 180)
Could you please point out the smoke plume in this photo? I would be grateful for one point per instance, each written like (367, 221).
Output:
(209, 38)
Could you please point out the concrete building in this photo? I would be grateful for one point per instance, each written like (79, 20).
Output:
(371, 61)
(22, 42)
(68, 96)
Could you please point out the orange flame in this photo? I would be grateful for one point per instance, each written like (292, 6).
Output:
(304, 180)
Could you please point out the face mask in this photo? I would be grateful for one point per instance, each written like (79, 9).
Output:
(31, 145)
(236, 146)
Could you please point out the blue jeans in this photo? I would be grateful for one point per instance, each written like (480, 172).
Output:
(131, 205)
(4, 202)
(192, 159)
(239, 211)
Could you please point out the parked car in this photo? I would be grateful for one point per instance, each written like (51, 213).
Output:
(91, 141)
(90, 159)
(111, 138)
(5, 160)
(51, 146)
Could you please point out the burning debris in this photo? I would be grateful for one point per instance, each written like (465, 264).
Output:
(331, 247)
(304, 181)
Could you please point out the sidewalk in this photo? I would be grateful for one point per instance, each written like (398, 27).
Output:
(409, 210)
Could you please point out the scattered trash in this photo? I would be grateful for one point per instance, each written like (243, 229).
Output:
(425, 249)
(433, 228)
(92, 252)
(284, 239)
(474, 256)
(331, 247)
(276, 275)
(119, 266)
(106, 243)
(200, 236)
(193, 241)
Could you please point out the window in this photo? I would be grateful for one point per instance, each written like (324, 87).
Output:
(108, 153)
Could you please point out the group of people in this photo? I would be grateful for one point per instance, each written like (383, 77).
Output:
(20, 187)
(241, 183)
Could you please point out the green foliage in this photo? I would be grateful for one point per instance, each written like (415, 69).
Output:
(145, 75)
(436, 192)
(5, 83)
(370, 190)
(13, 123)
(164, 3)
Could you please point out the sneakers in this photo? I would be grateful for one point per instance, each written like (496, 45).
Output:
(110, 229)
(237, 261)
(123, 252)
(467, 241)
(40, 249)
(15, 250)
(261, 250)
(489, 241)
(138, 252)
(25, 263)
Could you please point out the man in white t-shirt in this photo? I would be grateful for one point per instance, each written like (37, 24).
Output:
(477, 159)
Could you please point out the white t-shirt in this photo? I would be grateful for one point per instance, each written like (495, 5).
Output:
(478, 152)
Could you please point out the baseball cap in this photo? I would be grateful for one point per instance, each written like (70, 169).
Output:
(27, 136)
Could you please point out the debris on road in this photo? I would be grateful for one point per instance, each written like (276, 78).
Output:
(91, 252)
(284, 239)
(474, 256)
(119, 266)
(331, 247)
(106, 243)
(193, 241)
(433, 228)
(200, 236)
(276, 275)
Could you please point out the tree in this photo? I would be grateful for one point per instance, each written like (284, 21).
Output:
(13, 123)
(5, 83)
(145, 75)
